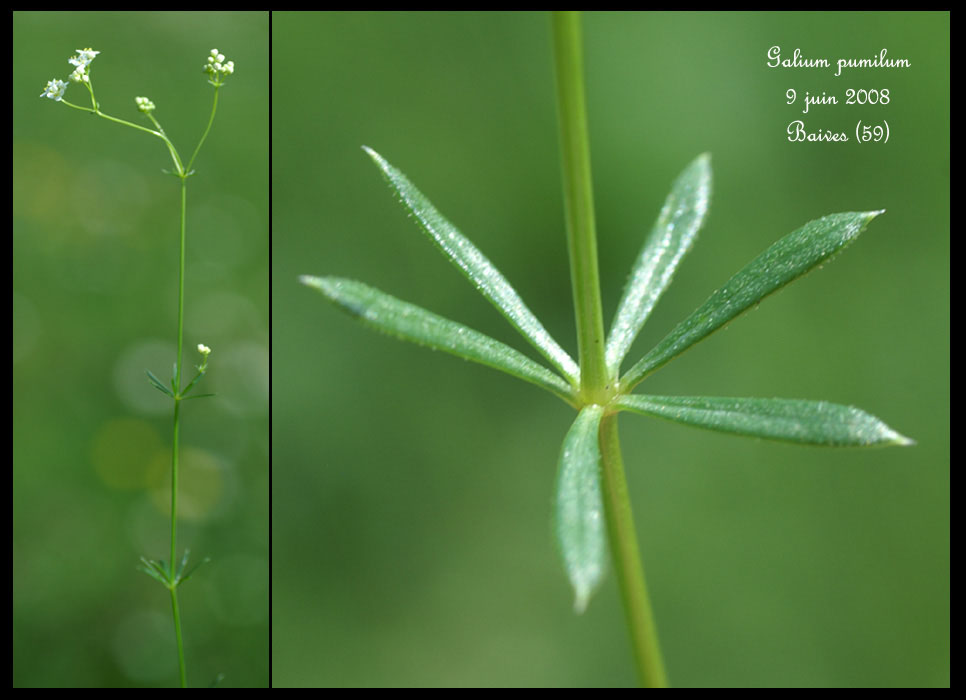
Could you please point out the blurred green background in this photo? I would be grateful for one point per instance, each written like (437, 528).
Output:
(411, 491)
(95, 273)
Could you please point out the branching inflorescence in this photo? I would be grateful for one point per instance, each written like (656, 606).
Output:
(170, 574)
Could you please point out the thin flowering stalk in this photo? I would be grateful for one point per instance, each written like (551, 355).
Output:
(218, 69)
(168, 574)
(81, 74)
(211, 119)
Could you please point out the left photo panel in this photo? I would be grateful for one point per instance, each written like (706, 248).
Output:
(140, 259)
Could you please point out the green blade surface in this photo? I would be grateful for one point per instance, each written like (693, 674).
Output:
(788, 420)
(157, 383)
(408, 322)
(477, 268)
(671, 238)
(783, 262)
(579, 521)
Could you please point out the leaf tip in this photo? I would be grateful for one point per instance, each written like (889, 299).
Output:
(328, 286)
(308, 279)
(700, 166)
(380, 161)
(902, 441)
(888, 436)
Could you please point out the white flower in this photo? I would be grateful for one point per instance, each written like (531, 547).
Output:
(218, 68)
(205, 351)
(83, 58)
(55, 89)
(82, 63)
(145, 105)
(80, 75)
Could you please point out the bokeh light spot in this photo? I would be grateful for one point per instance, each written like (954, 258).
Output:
(238, 589)
(142, 647)
(122, 451)
(131, 380)
(201, 482)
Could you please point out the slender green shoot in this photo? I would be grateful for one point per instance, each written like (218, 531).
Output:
(218, 70)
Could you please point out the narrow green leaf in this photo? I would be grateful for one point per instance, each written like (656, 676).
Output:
(156, 569)
(159, 565)
(408, 322)
(671, 238)
(150, 568)
(790, 420)
(181, 566)
(477, 268)
(783, 262)
(153, 574)
(157, 383)
(579, 520)
(182, 577)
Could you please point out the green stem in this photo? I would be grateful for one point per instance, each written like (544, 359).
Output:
(174, 488)
(177, 632)
(179, 169)
(579, 206)
(211, 120)
(596, 386)
(132, 125)
(181, 259)
(627, 560)
(99, 113)
(175, 441)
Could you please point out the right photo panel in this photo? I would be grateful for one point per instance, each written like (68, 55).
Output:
(540, 415)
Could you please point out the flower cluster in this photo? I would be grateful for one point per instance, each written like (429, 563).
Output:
(144, 104)
(82, 63)
(55, 89)
(218, 68)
